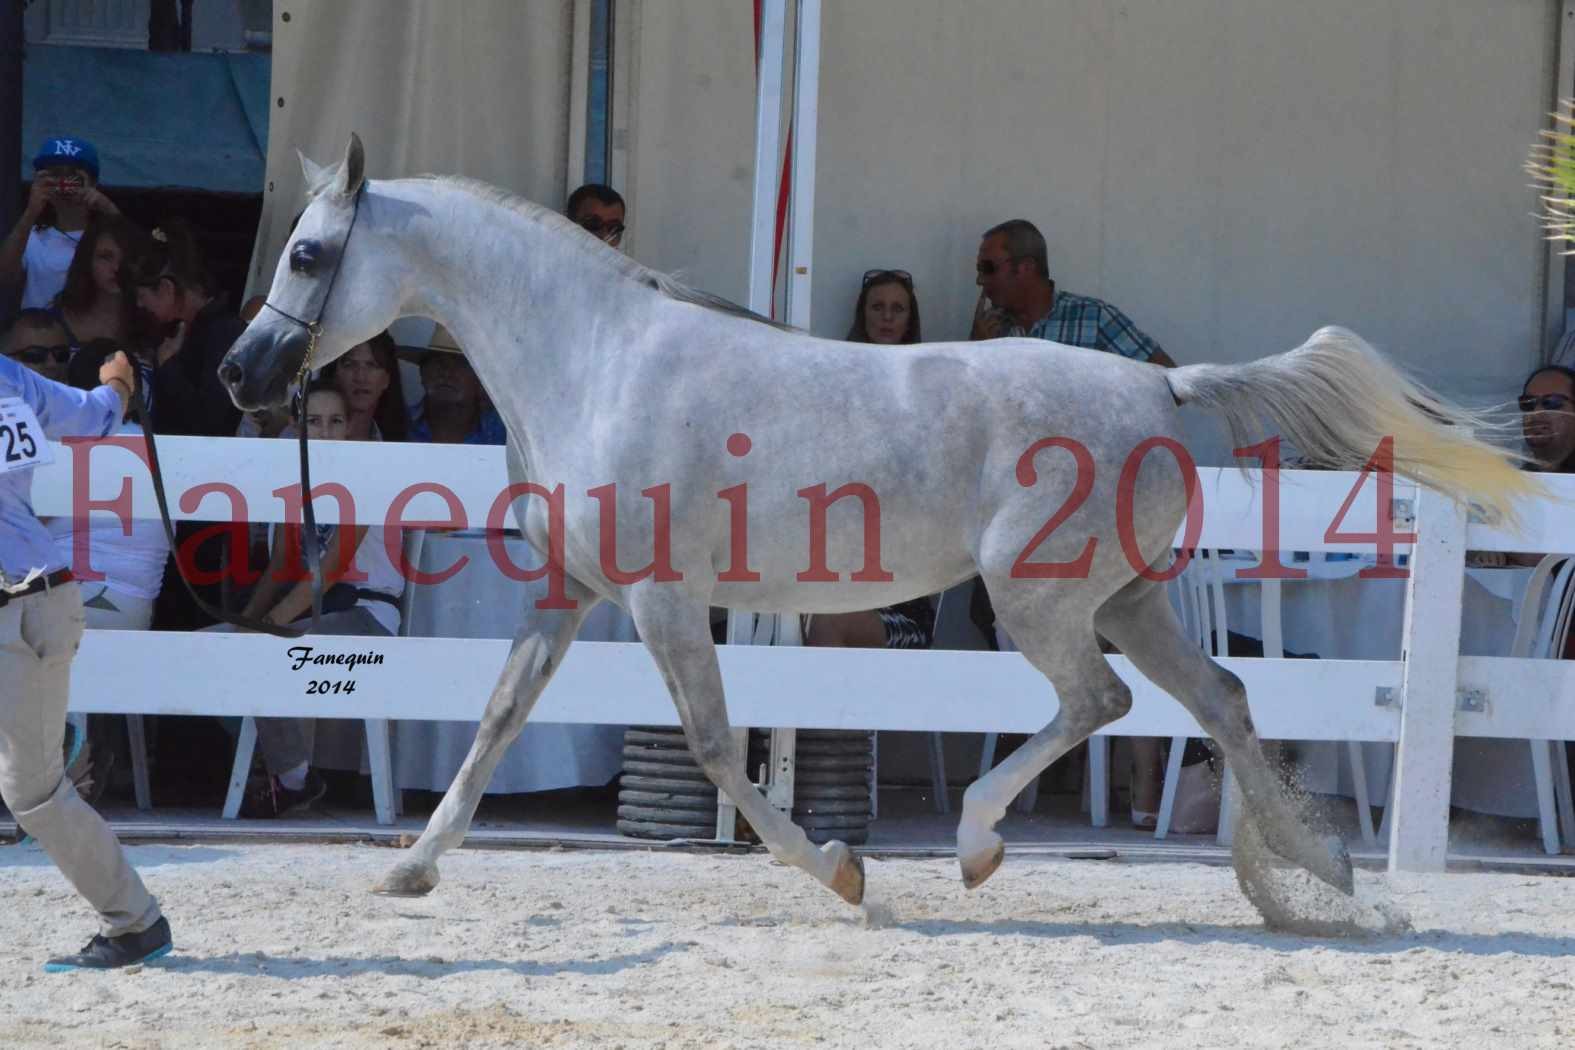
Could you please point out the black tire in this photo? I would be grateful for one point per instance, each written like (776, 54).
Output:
(668, 815)
(831, 763)
(641, 829)
(825, 807)
(655, 738)
(665, 771)
(637, 782)
(669, 755)
(808, 781)
(667, 800)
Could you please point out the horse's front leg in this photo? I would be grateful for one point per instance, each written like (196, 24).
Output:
(538, 650)
(677, 631)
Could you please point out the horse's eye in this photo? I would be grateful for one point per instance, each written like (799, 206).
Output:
(303, 257)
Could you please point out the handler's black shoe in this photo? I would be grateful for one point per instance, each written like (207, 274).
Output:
(111, 953)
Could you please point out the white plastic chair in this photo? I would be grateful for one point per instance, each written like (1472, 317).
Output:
(1541, 631)
(1201, 590)
(1540, 634)
(387, 802)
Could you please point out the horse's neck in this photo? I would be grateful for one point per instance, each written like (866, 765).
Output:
(516, 298)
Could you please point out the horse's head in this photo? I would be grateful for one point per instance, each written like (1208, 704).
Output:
(331, 289)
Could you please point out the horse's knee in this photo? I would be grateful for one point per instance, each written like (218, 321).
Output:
(714, 753)
(1113, 702)
(505, 717)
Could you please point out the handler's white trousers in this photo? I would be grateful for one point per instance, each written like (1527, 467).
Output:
(39, 635)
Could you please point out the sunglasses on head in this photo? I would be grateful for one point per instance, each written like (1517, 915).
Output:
(901, 276)
(37, 355)
(1546, 403)
(607, 231)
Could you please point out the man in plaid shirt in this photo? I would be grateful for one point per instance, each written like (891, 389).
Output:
(1014, 275)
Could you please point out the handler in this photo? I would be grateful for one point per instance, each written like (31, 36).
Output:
(40, 628)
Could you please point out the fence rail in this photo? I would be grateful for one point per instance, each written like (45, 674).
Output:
(609, 682)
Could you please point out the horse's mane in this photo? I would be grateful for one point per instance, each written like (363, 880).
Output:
(620, 263)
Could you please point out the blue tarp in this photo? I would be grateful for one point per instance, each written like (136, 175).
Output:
(158, 119)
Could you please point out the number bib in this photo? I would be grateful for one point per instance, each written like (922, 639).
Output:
(22, 442)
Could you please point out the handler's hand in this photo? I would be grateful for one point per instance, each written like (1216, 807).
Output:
(117, 366)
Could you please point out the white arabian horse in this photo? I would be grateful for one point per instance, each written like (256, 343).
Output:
(609, 373)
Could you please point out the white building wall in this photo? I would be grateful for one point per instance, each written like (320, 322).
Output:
(1232, 173)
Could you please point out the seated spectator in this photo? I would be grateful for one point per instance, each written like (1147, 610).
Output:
(368, 377)
(188, 330)
(454, 409)
(886, 314)
(91, 303)
(1547, 405)
(191, 328)
(1018, 298)
(600, 210)
(284, 595)
(37, 252)
(38, 340)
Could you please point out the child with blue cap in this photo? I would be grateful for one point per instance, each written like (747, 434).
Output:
(37, 252)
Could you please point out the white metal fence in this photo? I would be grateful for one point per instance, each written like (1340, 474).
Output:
(609, 682)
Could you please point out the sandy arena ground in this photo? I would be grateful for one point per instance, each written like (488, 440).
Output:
(281, 946)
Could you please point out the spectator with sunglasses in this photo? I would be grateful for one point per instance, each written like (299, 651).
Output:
(600, 210)
(1547, 405)
(887, 311)
(1547, 421)
(38, 250)
(886, 314)
(1018, 298)
(38, 341)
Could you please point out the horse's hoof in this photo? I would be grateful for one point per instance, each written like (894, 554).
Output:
(981, 865)
(847, 881)
(1337, 869)
(408, 879)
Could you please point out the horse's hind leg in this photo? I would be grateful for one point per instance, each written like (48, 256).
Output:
(1140, 621)
(538, 650)
(678, 634)
(1091, 695)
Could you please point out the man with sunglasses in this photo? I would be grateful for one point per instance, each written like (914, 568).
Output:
(39, 341)
(600, 210)
(1547, 423)
(1547, 405)
(1018, 298)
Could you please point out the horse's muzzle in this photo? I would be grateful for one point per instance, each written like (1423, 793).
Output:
(259, 367)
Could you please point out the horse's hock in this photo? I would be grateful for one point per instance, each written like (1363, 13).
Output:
(664, 794)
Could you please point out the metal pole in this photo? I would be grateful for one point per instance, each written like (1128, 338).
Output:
(806, 118)
(11, 45)
(768, 139)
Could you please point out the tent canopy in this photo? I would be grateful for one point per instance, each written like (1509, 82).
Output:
(158, 119)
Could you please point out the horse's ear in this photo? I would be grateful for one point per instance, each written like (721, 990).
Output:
(352, 172)
(316, 176)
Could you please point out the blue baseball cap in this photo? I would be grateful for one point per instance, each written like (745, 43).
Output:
(67, 152)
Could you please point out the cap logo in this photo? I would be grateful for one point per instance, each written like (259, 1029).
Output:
(66, 148)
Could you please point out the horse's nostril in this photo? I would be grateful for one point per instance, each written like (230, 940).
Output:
(230, 373)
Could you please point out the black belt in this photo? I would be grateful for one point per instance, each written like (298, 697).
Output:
(41, 583)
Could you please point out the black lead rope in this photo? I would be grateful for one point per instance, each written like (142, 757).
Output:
(213, 612)
(309, 538)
